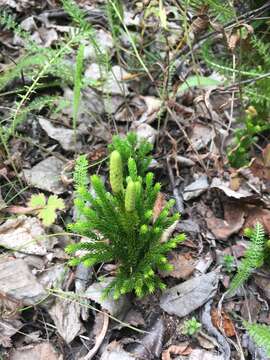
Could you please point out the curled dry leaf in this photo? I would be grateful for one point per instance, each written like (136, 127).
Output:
(182, 349)
(145, 131)
(150, 344)
(266, 155)
(225, 187)
(201, 136)
(114, 83)
(260, 167)
(101, 327)
(168, 232)
(223, 322)
(196, 188)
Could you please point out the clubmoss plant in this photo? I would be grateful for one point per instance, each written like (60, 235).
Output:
(133, 149)
(120, 227)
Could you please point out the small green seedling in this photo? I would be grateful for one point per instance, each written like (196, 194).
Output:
(191, 327)
(46, 210)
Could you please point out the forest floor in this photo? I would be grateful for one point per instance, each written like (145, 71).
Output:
(145, 67)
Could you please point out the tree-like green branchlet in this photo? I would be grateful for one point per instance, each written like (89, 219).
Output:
(121, 225)
(130, 197)
(116, 172)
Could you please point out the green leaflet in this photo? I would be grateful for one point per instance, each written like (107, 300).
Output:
(197, 81)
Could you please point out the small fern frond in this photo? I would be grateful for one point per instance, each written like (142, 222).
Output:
(78, 82)
(260, 333)
(254, 258)
(77, 15)
(80, 176)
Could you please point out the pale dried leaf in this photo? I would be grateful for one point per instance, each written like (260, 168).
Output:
(66, 316)
(114, 307)
(24, 234)
(17, 281)
(115, 351)
(43, 351)
(65, 137)
(38, 175)
(184, 298)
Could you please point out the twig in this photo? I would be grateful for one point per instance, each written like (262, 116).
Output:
(207, 323)
(176, 194)
(99, 339)
(247, 17)
(187, 138)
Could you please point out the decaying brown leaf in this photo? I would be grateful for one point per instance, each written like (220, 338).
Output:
(223, 322)
(159, 205)
(256, 214)
(40, 351)
(183, 265)
(231, 224)
(181, 349)
(260, 166)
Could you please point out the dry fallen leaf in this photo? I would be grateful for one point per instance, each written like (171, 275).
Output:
(38, 175)
(181, 349)
(190, 295)
(201, 135)
(18, 282)
(115, 351)
(266, 155)
(159, 205)
(64, 136)
(24, 234)
(223, 323)
(183, 265)
(231, 224)
(8, 328)
(66, 316)
(42, 351)
(260, 167)
(256, 214)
